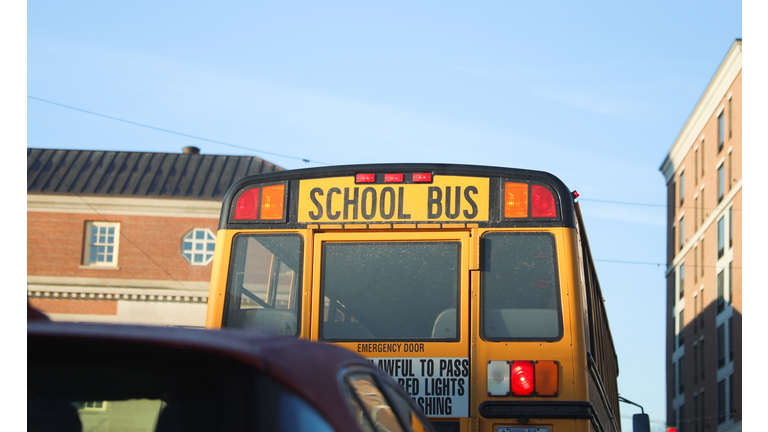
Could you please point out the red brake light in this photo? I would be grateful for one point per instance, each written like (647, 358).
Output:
(543, 203)
(422, 177)
(393, 178)
(522, 378)
(247, 206)
(365, 178)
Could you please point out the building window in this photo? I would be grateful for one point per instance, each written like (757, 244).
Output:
(101, 244)
(682, 187)
(721, 402)
(720, 132)
(721, 291)
(703, 367)
(731, 411)
(695, 363)
(695, 264)
(730, 171)
(720, 183)
(681, 377)
(695, 214)
(682, 232)
(730, 338)
(198, 245)
(696, 167)
(702, 258)
(730, 118)
(695, 313)
(720, 237)
(696, 412)
(681, 423)
(730, 282)
(91, 405)
(681, 273)
(721, 346)
(702, 158)
(681, 332)
(730, 227)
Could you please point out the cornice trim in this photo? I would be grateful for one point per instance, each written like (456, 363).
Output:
(124, 206)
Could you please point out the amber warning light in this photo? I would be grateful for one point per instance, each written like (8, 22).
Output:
(264, 203)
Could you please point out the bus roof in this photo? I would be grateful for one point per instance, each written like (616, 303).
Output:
(296, 183)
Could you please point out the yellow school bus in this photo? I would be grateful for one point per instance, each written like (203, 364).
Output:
(472, 286)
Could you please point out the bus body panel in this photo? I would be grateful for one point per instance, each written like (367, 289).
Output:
(579, 386)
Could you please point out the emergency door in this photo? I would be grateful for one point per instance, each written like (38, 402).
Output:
(402, 300)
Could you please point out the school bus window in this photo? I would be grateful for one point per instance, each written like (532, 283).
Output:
(520, 295)
(263, 291)
(390, 290)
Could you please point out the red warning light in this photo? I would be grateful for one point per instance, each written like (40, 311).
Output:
(247, 205)
(365, 178)
(521, 378)
(422, 177)
(393, 178)
(543, 203)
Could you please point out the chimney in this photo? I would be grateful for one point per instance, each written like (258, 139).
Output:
(190, 150)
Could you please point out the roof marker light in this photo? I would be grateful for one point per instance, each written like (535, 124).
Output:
(365, 178)
(542, 202)
(393, 178)
(422, 177)
(247, 206)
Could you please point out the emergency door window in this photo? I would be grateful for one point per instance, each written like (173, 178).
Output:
(263, 291)
(520, 292)
(390, 290)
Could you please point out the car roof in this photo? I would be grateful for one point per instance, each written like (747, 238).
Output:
(310, 369)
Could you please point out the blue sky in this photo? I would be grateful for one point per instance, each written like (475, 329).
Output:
(595, 93)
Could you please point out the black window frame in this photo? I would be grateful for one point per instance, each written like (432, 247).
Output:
(558, 302)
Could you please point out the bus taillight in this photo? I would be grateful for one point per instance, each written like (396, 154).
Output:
(543, 203)
(272, 204)
(248, 205)
(515, 200)
(522, 378)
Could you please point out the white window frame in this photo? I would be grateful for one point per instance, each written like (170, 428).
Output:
(206, 255)
(115, 244)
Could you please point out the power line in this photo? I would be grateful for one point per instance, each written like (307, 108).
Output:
(647, 205)
(174, 132)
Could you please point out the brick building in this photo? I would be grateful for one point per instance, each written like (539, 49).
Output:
(704, 303)
(125, 237)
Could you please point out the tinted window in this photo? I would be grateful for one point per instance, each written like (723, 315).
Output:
(390, 290)
(264, 287)
(119, 387)
(520, 295)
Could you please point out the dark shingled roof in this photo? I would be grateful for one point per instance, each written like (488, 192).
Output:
(138, 174)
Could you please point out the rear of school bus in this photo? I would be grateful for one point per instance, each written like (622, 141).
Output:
(463, 283)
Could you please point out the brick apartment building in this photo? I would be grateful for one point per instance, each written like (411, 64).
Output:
(704, 303)
(125, 237)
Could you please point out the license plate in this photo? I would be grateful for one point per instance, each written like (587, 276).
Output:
(521, 429)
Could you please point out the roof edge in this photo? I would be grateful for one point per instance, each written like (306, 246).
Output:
(707, 104)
